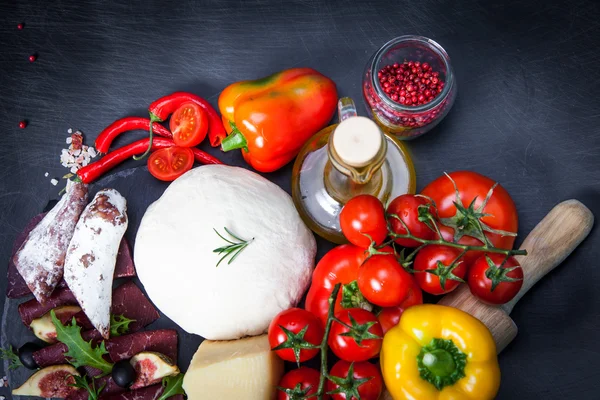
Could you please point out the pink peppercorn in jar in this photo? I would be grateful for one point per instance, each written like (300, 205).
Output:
(409, 86)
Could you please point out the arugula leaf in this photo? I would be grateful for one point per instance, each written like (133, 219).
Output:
(81, 382)
(119, 325)
(172, 385)
(12, 357)
(80, 352)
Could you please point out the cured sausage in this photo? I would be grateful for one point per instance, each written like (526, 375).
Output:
(92, 254)
(40, 259)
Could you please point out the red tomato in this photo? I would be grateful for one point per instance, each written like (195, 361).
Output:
(383, 281)
(339, 265)
(439, 258)
(492, 284)
(406, 207)
(307, 378)
(390, 316)
(189, 125)
(369, 390)
(346, 347)
(471, 185)
(295, 320)
(170, 163)
(364, 215)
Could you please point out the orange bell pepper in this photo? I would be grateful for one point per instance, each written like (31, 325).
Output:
(271, 118)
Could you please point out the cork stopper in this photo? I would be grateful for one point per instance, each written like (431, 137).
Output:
(357, 141)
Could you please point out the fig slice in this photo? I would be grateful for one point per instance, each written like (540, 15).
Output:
(50, 382)
(43, 327)
(151, 367)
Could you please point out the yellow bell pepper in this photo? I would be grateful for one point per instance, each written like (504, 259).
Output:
(439, 353)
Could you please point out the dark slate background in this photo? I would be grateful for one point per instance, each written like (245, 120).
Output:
(527, 115)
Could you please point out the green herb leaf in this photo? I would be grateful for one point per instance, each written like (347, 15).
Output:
(81, 382)
(80, 352)
(12, 357)
(233, 249)
(173, 386)
(119, 325)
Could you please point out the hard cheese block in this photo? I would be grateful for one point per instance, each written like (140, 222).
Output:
(236, 369)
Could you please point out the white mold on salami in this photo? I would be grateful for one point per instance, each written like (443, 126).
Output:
(40, 259)
(92, 254)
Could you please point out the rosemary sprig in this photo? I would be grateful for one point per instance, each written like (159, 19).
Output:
(11, 355)
(233, 249)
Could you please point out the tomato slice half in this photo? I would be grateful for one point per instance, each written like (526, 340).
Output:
(170, 163)
(189, 125)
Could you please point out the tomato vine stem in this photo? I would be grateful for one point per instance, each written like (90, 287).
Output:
(323, 346)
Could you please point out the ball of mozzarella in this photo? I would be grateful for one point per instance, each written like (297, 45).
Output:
(176, 263)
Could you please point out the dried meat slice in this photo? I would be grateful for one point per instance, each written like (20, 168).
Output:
(31, 309)
(40, 259)
(90, 261)
(110, 388)
(148, 393)
(161, 341)
(128, 300)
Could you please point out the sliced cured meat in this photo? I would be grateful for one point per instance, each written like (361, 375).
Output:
(124, 267)
(161, 341)
(17, 287)
(128, 300)
(40, 259)
(54, 354)
(90, 261)
(149, 393)
(32, 309)
(110, 388)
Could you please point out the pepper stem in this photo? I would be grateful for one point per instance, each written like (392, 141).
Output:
(441, 363)
(235, 140)
(153, 119)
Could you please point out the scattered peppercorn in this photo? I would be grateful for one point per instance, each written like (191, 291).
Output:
(411, 83)
(32, 58)
(20, 26)
(22, 124)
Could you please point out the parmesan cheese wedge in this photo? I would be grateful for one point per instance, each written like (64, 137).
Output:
(236, 369)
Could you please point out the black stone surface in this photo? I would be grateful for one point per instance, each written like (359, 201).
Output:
(527, 115)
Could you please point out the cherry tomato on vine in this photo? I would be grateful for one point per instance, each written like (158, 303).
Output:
(349, 381)
(493, 282)
(339, 265)
(406, 207)
(390, 316)
(383, 281)
(170, 163)
(358, 337)
(500, 210)
(437, 269)
(363, 219)
(189, 125)
(291, 330)
(299, 384)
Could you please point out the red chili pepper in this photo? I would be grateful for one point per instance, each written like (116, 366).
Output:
(93, 171)
(106, 137)
(165, 106)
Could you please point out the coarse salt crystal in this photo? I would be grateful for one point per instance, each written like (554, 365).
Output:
(92, 152)
(74, 169)
(69, 131)
(54, 182)
(69, 140)
(46, 174)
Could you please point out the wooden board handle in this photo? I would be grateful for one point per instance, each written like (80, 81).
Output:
(551, 241)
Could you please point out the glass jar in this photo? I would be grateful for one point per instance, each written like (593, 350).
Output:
(409, 121)
(345, 160)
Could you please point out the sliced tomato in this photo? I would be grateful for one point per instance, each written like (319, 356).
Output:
(170, 163)
(189, 125)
